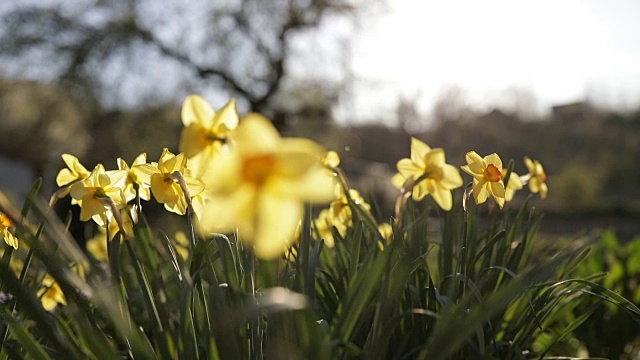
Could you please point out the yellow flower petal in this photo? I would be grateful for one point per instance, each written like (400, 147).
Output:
(226, 119)
(398, 180)
(193, 139)
(480, 193)
(74, 171)
(409, 169)
(164, 189)
(442, 197)
(278, 219)
(421, 190)
(256, 134)
(90, 207)
(451, 178)
(419, 151)
(493, 159)
(195, 109)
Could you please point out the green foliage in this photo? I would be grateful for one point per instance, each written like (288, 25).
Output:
(454, 286)
(612, 332)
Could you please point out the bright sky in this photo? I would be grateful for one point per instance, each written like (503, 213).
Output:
(560, 51)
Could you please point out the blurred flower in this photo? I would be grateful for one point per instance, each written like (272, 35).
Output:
(134, 177)
(487, 177)
(97, 245)
(96, 193)
(204, 128)
(73, 172)
(5, 224)
(81, 269)
(261, 184)
(331, 159)
(514, 184)
(50, 294)
(323, 224)
(431, 175)
(386, 230)
(537, 177)
(164, 181)
(338, 215)
(181, 244)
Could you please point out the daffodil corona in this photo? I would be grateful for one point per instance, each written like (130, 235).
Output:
(487, 177)
(430, 174)
(260, 185)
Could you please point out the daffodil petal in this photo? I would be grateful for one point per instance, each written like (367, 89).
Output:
(480, 194)
(257, 134)
(226, 119)
(451, 178)
(421, 190)
(193, 139)
(408, 169)
(65, 176)
(493, 159)
(419, 151)
(195, 109)
(443, 198)
(277, 222)
(497, 189)
(398, 180)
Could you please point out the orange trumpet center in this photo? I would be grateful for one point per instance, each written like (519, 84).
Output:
(492, 173)
(256, 169)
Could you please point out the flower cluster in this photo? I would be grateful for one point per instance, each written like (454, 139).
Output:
(339, 215)
(426, 173)
(238, 175)
(232, 174)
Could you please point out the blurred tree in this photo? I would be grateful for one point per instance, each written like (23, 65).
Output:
(116, 52)
(37, 135)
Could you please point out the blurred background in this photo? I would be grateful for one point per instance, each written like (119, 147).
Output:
(556, 81)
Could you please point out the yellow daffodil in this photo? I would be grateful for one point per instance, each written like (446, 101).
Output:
(181, 244)
(74, 171)
(338, 215)
(163, 179)
(261, 184)
(537, 177)
(50, 294)
(432, 176)
(487, 177)
(205, 128)
(515, 184)
(95, 193)
(133, 177)
(5, 224)
(323, 224)
(386, 230)
(97, 245)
